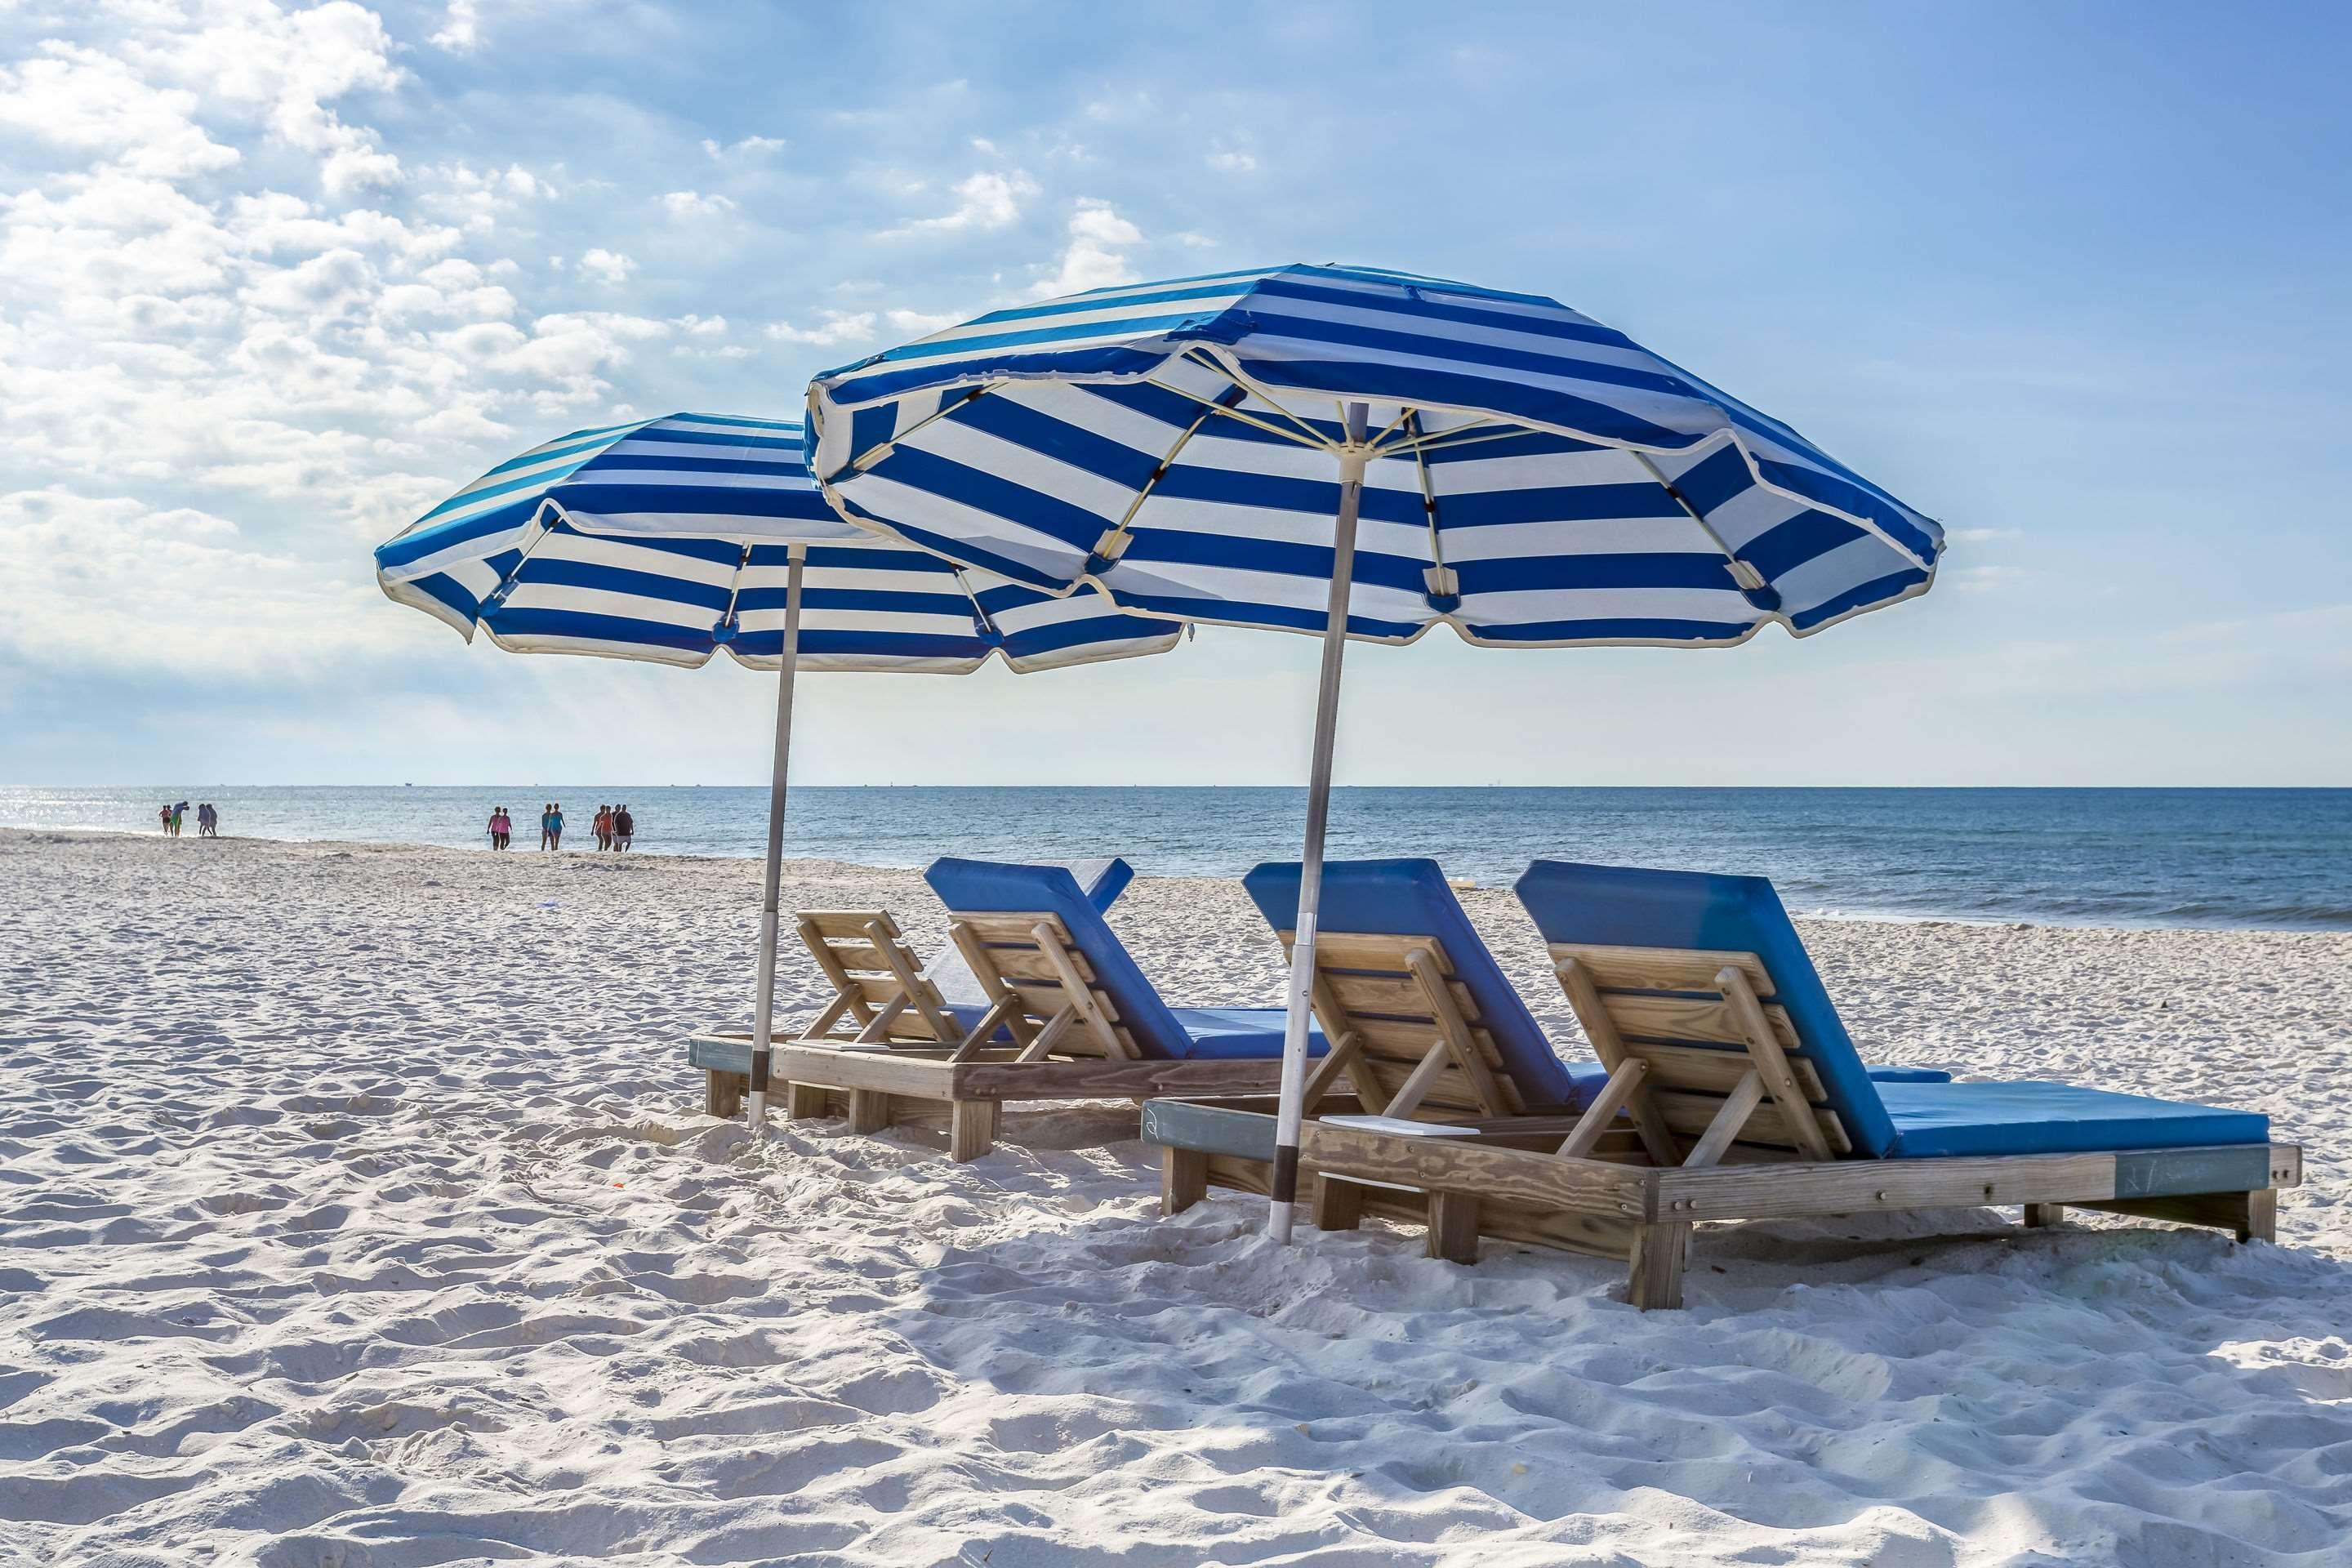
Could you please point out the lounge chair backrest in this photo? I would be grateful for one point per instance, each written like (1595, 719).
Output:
(1100, 883)
(1420, 1017)
(994, 909)
(1644, 956)
(880, 992)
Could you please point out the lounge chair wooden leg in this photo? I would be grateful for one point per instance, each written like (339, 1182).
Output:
(1183, 1178)
(869, 1110)
(2250, 1216)
(722, 1093)
(2038, 1215)
(1655, 1278)
(1339, 1205)
(805, 1101)
(971, 1128)
(1454, 1227)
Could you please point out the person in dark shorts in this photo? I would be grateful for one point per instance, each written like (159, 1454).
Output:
(625, 828)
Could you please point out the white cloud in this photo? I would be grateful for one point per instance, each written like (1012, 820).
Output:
(987, 200)
(91, 103)
(1096, 256)
(749, 147)
(290, 67)
(607, 267)
(1981, 535)
(833, 329)
(461, 27)
(1985, 579)
(110, 581)
(1233, 161)
(695, 204)
(922, 323)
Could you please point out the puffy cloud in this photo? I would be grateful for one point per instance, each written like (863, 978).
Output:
(1094, 256)
(461, 28)
(922, 323)
(1233, 161)
(290, 67)
(987, 200)
(695, 204)
(607, 267)
(91, 103)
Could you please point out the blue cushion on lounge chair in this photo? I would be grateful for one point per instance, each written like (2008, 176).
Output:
(1923, 1115)
(1939, 1118)
(993, 886)
(1410, 898)
(1621, 906)
(1100, 883)
(1236, 1032)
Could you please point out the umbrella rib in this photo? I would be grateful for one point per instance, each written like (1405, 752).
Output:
(1269, 427)
(1233, 373)
(881, 450)
(979, 614)
(507, 583)
(1108, 545)
(1445, 439)
(1744, 575)
(735, 585)
(1441, 576)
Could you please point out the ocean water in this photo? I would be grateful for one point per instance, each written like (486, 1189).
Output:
(2276, 859)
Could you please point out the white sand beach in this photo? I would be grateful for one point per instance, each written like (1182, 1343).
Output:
(356, 1208)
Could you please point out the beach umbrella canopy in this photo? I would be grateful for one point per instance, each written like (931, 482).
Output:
(1358, 453)
(669, 539)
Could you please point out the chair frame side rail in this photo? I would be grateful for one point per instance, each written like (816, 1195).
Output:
(1067, 1039)
(1705, 1117)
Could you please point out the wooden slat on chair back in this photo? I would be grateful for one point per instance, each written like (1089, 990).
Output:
(1009, 952)
(844, 947)
(1365, 988)
(1667, 1007)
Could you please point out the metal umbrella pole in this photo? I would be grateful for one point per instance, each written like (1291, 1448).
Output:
(763, 1021)
(1291, 1110)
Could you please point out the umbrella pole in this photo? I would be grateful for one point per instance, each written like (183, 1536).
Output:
(1290, 1110)
(763, 1020)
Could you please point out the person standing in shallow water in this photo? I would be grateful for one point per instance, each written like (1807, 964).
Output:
(555, 826)
(625, 828)
(166, 814)
(545, 812)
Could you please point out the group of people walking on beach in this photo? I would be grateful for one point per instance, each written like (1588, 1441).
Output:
(613, 825)
(207, 819)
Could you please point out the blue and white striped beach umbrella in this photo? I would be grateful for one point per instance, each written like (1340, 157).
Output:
(1358, 453)
(669, 539)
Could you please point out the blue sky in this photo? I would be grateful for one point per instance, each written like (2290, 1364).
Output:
(274, 278)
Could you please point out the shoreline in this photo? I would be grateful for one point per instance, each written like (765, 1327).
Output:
(818, 866)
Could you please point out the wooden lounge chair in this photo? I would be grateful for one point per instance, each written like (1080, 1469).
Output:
(883, 994)
(1434, 1040)
(1733, 1092)
(1062, 1013)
